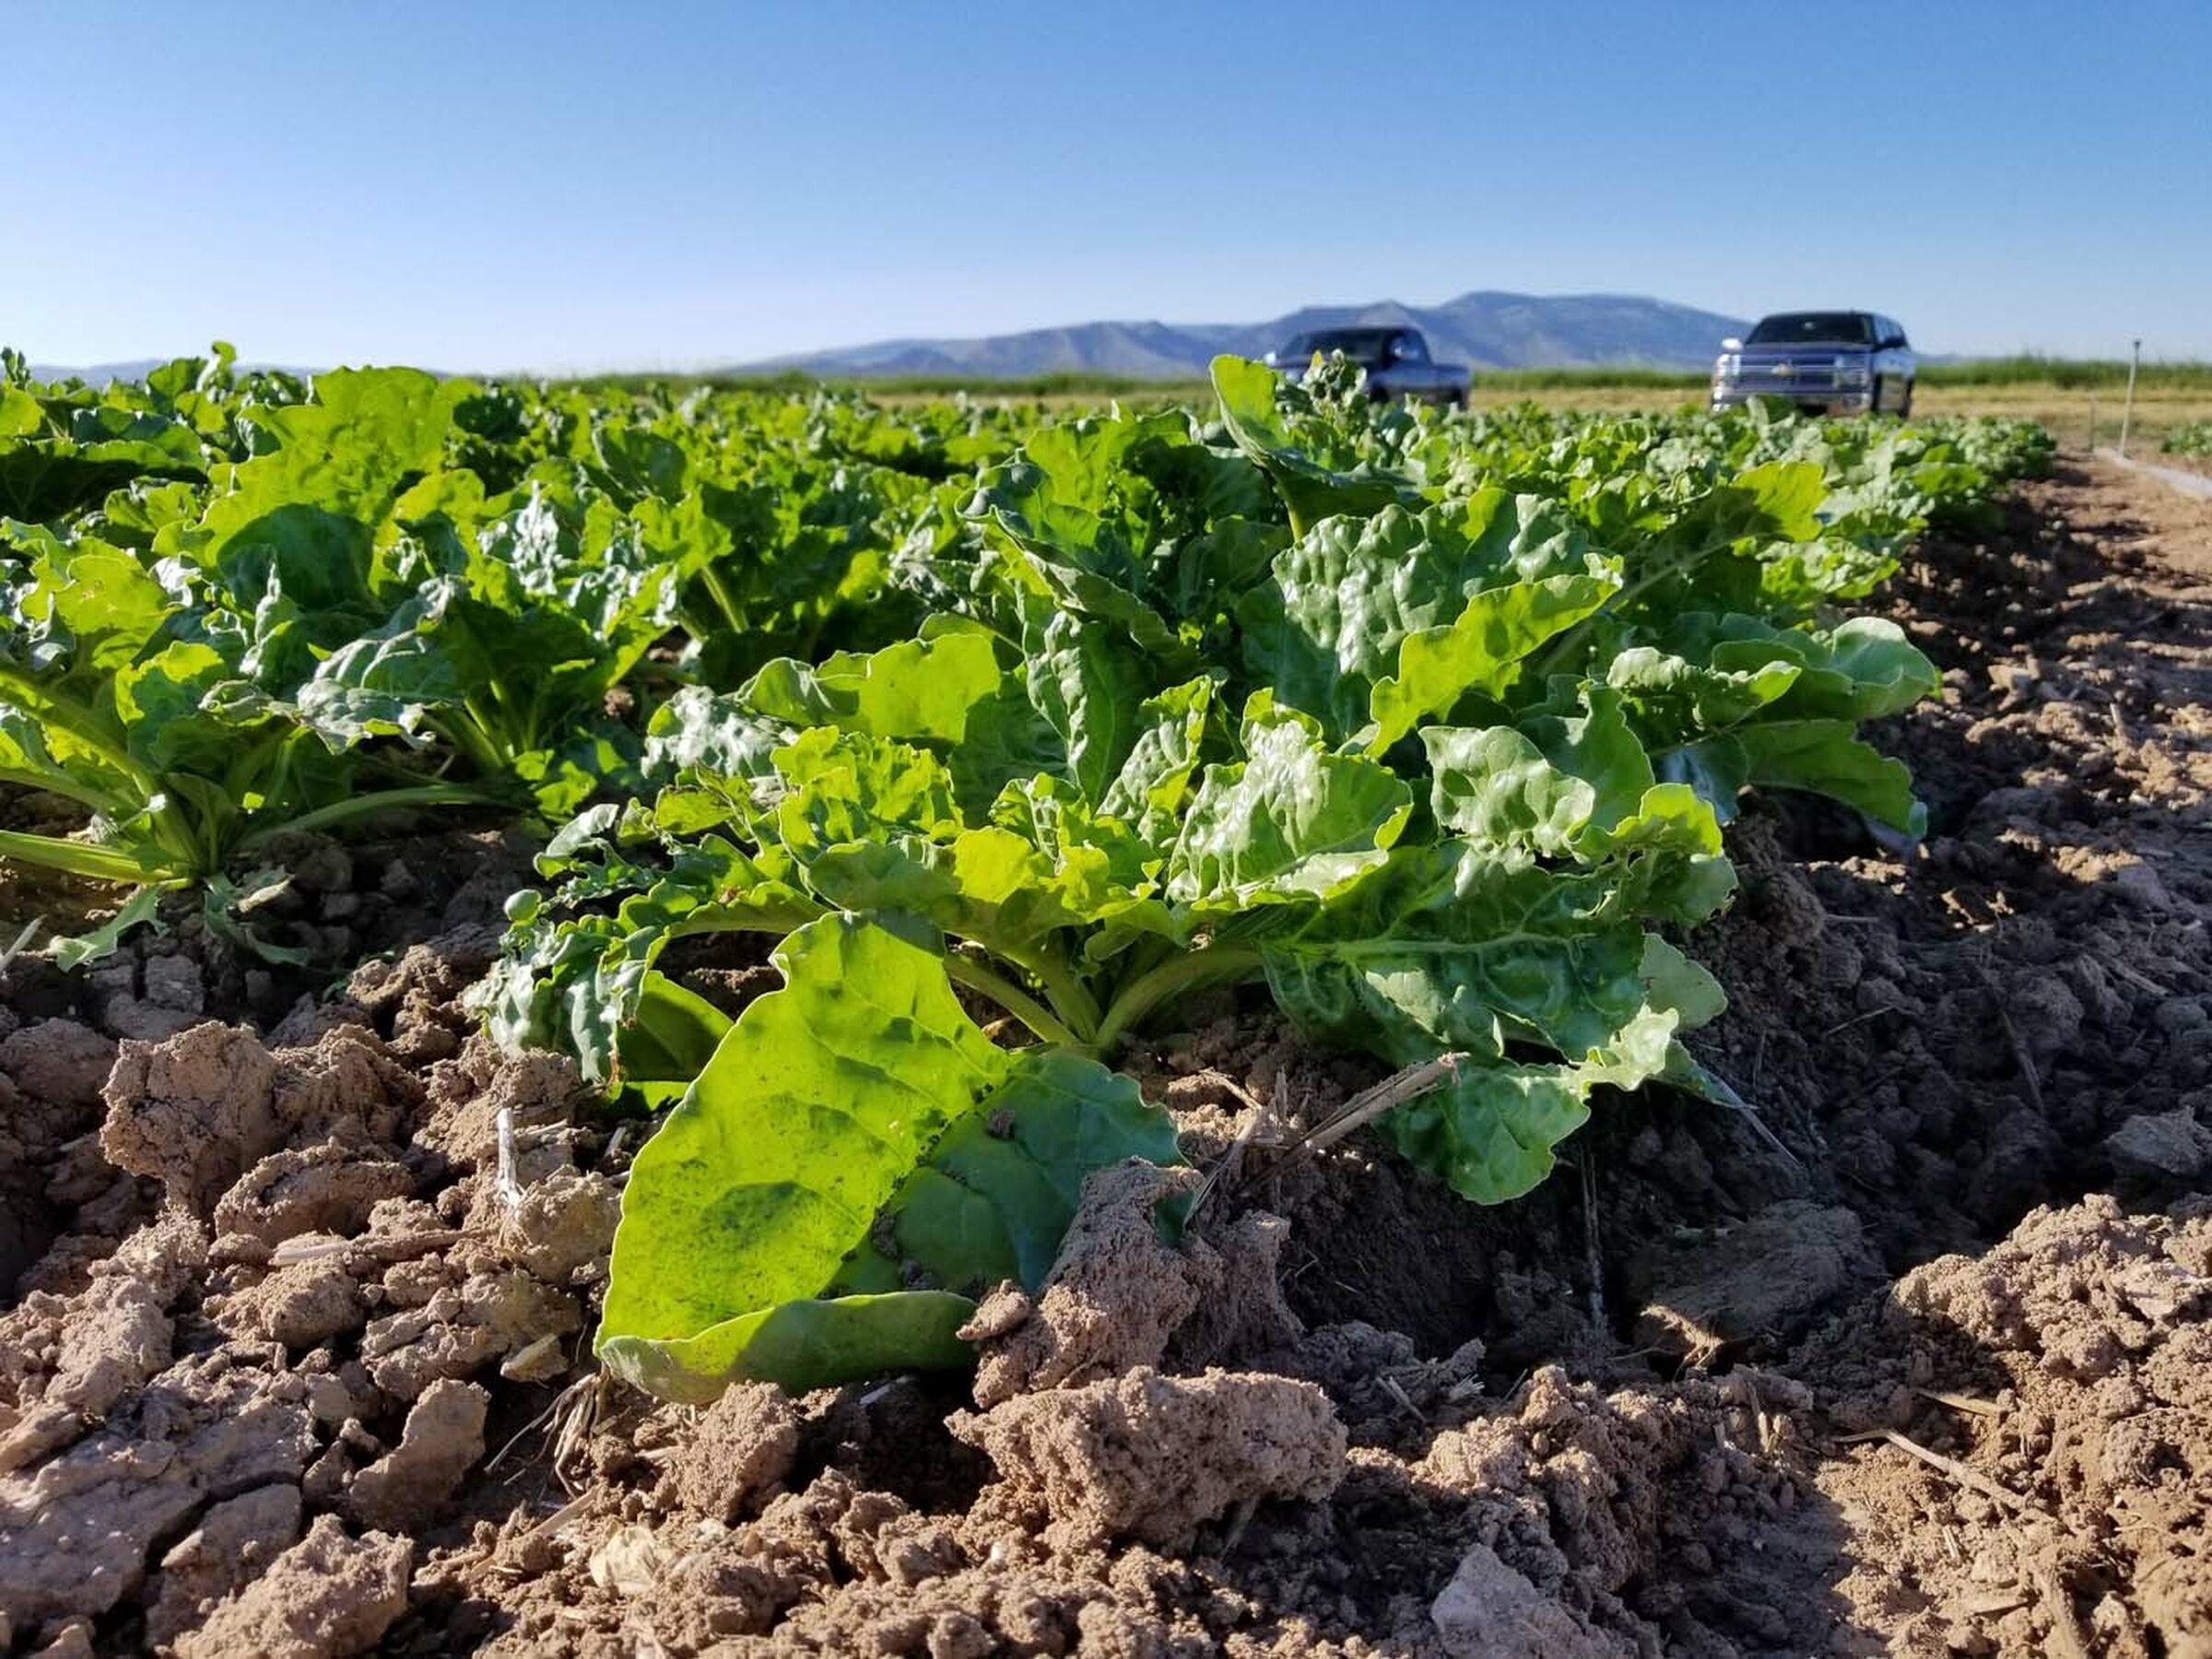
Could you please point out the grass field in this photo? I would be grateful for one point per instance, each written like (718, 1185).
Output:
(2067, 410)
(2067, 395)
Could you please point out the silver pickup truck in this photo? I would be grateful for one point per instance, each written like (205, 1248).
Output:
(1835, 362)
(1395, 358)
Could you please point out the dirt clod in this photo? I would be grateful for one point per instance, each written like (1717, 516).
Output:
(2167, 1145)
(192, 1111)
(232, 1544)
(328, 1188)
(1150, 1457)
(445, 1436)
(1117, 1297)
(325, 1597)
(565, 1222)
(1489, 1611)
(58, 1061)
(1764, 1278)
(746, 1444)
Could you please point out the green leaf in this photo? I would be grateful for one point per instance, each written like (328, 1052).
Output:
(1155, 779)
(918, 689)
(1563, 786)
(140, 910)
(856, 1092)
(1451, 948)
(697, 736)
(1340, 602)
(1313, 481)
(1489, 1131)
(1822, 756)
(1289, 822)
(1090, 685)
(1681, 985)
(577, 984)
(846, 788)
(1787, 495)
(1480, 652)
(668, 1043)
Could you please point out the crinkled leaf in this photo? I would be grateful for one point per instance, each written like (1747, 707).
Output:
(1289, 821)
(918, 689)
(1481, 650)
(1451, 948)
(1340, 602)
(1312, 482)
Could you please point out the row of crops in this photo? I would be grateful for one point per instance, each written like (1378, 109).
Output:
(1008, 733)
(2193, 438)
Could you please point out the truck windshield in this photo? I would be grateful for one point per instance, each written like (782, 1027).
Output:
(1812, 328)
(1361, 345)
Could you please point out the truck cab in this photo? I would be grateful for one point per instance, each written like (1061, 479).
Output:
(1395, 359)
(1836, 362)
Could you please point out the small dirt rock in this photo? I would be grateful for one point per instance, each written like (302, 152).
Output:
(2167, 1146)
(1766, 1279)
(233, 1543)
(326, 1597)
(565, 1222)
(301, 1306)
(59, 1062)
(1489, 1611)
(329, 1187)
(444, 1438)
(746, 1442)
(1151, 1457)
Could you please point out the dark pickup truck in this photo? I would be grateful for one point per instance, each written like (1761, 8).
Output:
(1834, 362)
(1395, 358)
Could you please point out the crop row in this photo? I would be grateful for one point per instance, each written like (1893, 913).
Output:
(2194, 438)
(1429, 725)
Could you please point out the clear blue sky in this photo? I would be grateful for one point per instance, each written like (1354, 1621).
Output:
(477, 185)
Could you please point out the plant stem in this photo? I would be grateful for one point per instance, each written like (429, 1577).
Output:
(467, 732)
(83, 794)
(1070, 997)
(710, 579)
(80, 858)
(967, 971)
(337, 812)
(1177, 975)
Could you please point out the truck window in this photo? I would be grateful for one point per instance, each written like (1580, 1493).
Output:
(1412, 348)
(1812, 328)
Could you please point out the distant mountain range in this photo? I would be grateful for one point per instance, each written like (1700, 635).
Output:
(1485, 330)
(98, 374)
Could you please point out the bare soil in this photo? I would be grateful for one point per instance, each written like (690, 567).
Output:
(1913, 1357)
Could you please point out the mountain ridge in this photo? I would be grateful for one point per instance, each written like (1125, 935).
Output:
(1483, 328)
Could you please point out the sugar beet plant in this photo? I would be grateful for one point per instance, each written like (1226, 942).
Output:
(235, 609)
(1431, 728)
(1428, 726)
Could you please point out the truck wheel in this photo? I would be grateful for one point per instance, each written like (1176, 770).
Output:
(1904, 409)
(1874, 396)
